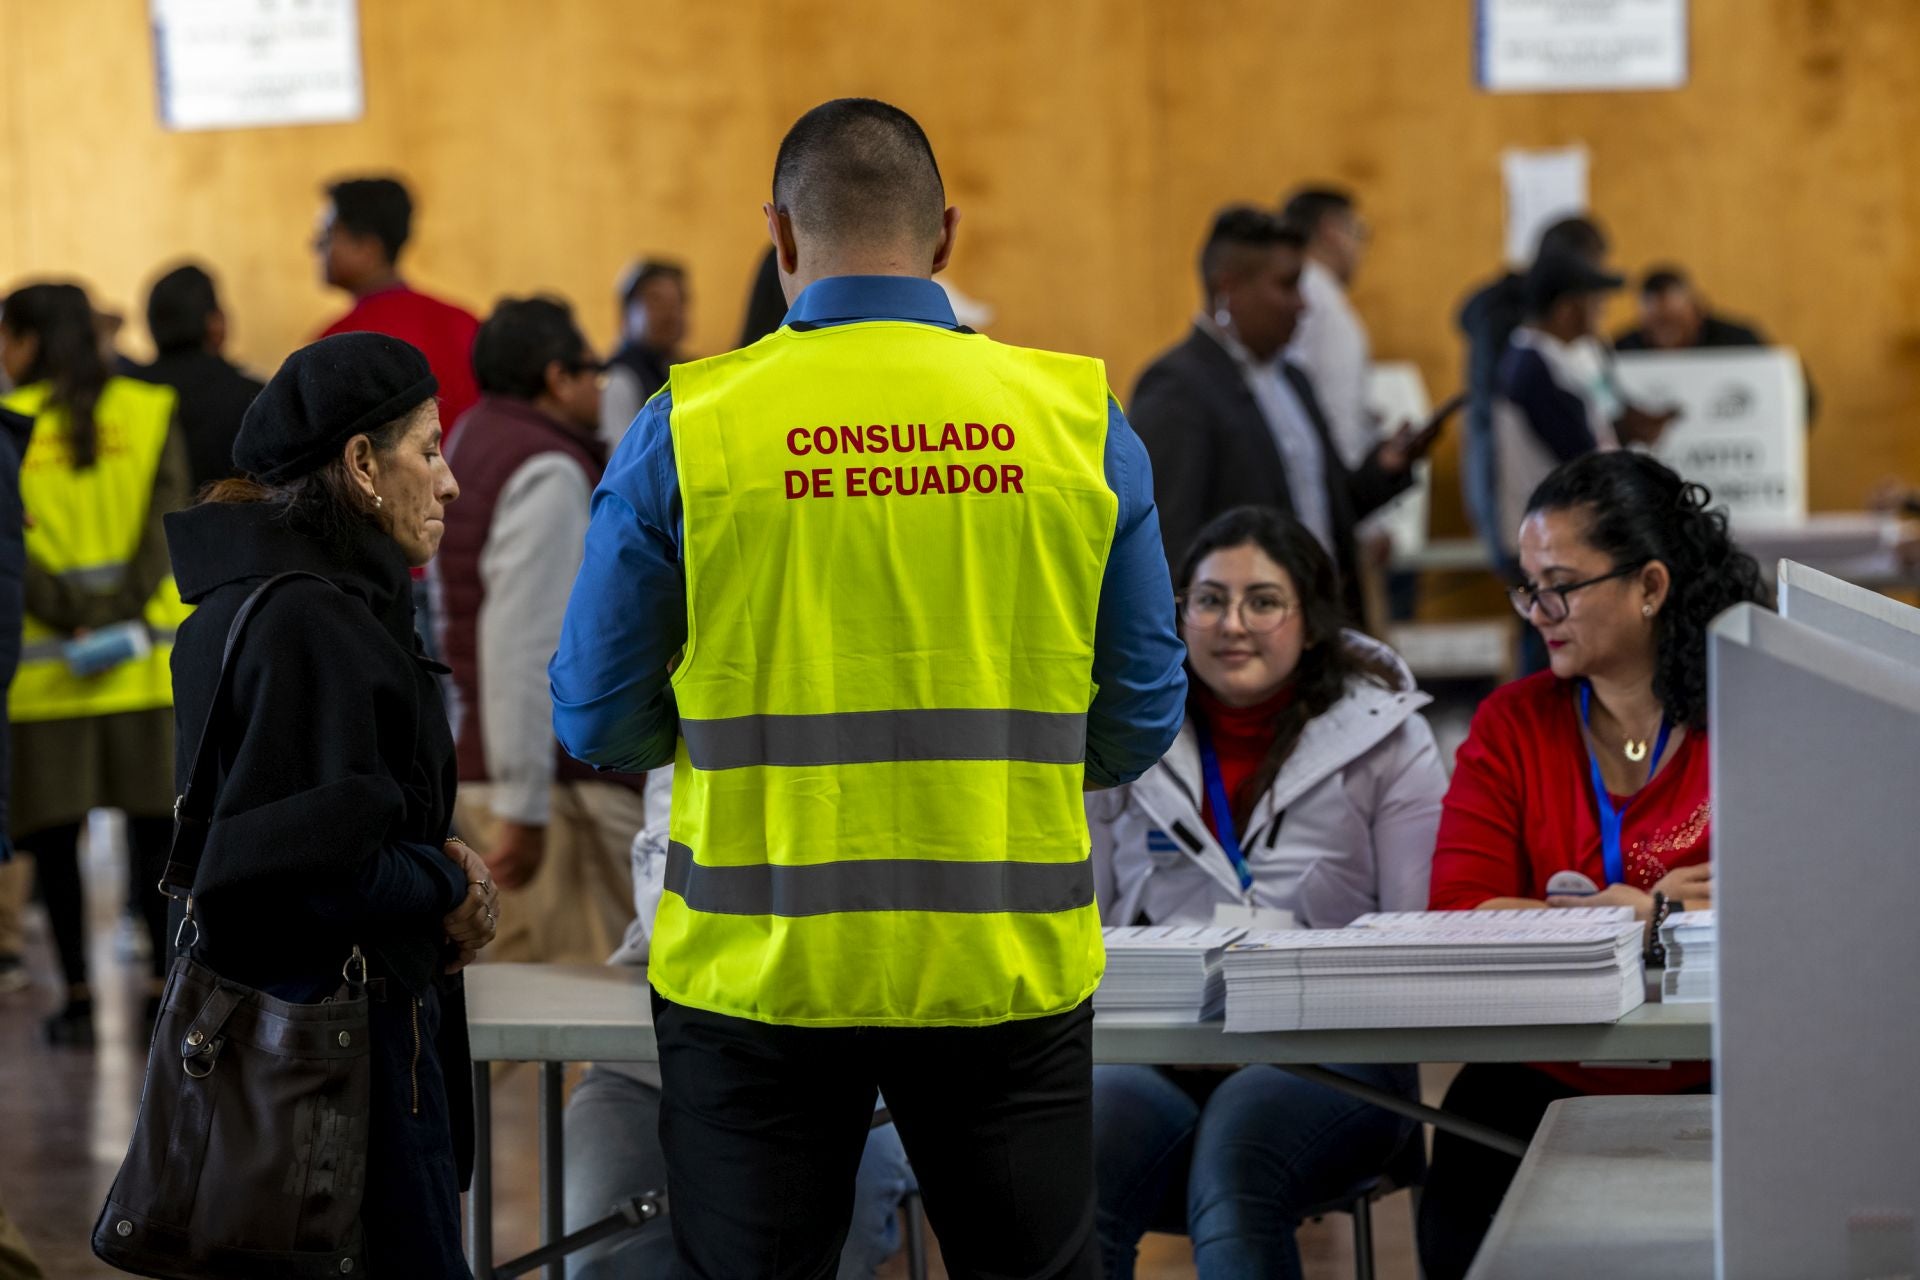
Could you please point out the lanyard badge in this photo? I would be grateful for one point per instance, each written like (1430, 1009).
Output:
(1223, 827)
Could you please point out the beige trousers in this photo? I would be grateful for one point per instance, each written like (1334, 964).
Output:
(16, 882)
(16, 1260)
(577, 906)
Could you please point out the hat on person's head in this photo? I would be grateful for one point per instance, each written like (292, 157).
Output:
(323, 396)
(1554, 276)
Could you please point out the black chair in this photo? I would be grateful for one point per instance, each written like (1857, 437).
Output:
(1406, 1171)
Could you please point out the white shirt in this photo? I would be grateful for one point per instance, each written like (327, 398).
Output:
(1331, 344)
(1293, 434)
(528, 563)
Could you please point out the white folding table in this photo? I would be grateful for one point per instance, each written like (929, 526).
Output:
(556, 1014)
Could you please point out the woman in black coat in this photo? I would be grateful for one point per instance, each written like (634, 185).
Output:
(336, 784)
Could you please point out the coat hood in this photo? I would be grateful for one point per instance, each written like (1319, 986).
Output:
(217, 543)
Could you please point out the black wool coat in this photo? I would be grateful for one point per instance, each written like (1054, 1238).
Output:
(334, 744)
(1212, 451)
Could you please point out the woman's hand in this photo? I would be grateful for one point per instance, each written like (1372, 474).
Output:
(471, 925)
(1614, 895)
(1692, 885)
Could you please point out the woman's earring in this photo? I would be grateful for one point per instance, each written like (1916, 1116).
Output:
(1646, 610)
(377, 504)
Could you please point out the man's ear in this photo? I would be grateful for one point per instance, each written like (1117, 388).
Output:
(949, 227)
(780, 230)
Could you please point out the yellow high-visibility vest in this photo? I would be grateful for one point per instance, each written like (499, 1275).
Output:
(894, 539)
(84, 525)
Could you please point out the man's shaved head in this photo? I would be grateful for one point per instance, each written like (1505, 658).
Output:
(857, 171)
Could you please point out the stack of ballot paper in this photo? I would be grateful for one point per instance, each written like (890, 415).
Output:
(1493, 919)
(1163, 973)
(1687, 937)
(1439, 969)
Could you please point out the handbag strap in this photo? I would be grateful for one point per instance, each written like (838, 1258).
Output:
(193, 807)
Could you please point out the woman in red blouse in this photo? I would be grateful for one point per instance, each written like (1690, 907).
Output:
(1586, 784)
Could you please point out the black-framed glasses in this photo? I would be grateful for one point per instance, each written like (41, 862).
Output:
(1260, 611)
(1552, 601)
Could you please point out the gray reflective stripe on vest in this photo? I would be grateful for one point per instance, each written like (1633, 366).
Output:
(99, 577)
(882, 884)
(870, 737)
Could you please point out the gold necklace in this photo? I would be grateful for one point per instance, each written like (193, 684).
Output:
(1635, 749)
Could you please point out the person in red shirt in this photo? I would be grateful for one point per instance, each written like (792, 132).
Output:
(362, 231)
(1586, 784)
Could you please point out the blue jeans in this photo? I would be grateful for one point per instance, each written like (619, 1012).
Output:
(1232, 1159)
(613, 1152)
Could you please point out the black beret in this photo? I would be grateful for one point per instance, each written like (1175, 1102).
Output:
(323, 396)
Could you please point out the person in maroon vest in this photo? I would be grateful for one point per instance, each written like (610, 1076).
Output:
(554, 832)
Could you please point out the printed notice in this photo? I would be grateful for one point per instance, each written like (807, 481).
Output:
(1562, 46)
(237, 64)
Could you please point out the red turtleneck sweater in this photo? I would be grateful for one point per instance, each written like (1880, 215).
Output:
(1241, 736)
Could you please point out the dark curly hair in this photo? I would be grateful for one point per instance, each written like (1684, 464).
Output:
(1326, 662)
(1639, 511)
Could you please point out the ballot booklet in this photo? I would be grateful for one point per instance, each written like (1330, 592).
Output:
(1163, 973)
(1438, 969)
(1688, 938)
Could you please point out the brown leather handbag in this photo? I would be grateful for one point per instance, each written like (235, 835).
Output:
(250, 1151)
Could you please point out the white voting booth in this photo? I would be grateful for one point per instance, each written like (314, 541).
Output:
(1742, 433)
(1817, 1025)
(1742, 430)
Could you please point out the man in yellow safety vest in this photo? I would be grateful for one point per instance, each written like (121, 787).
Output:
(910, 587)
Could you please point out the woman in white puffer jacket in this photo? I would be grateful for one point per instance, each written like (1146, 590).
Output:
(1310, 738)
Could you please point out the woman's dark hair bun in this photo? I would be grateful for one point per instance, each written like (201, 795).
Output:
(1639, 510)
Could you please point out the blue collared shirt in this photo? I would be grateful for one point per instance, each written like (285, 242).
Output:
(627, 617)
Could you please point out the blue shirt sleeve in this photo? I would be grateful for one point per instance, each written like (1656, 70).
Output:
(1138, 658)
(627, 616)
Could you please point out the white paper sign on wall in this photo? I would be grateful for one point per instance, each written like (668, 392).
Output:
(1743, 425)
(1542, 186)
(238, 64)
(1562, 46)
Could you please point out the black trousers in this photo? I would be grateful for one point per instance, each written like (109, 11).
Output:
(763, 1126)
(1467, 1181)
(55, 852)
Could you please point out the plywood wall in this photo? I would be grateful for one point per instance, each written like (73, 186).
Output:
(1086, 142)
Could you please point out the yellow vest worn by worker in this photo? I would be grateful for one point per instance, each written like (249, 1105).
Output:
(83, 527)
(894, 541)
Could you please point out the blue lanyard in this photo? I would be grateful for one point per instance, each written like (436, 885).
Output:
(1610, 817)
(1222, 810)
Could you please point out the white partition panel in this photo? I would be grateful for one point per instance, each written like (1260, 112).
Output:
(1850, 613)
(1815, 750)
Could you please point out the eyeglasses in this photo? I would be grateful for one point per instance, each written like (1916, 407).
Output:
(1260, 611)
(1552, 601)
